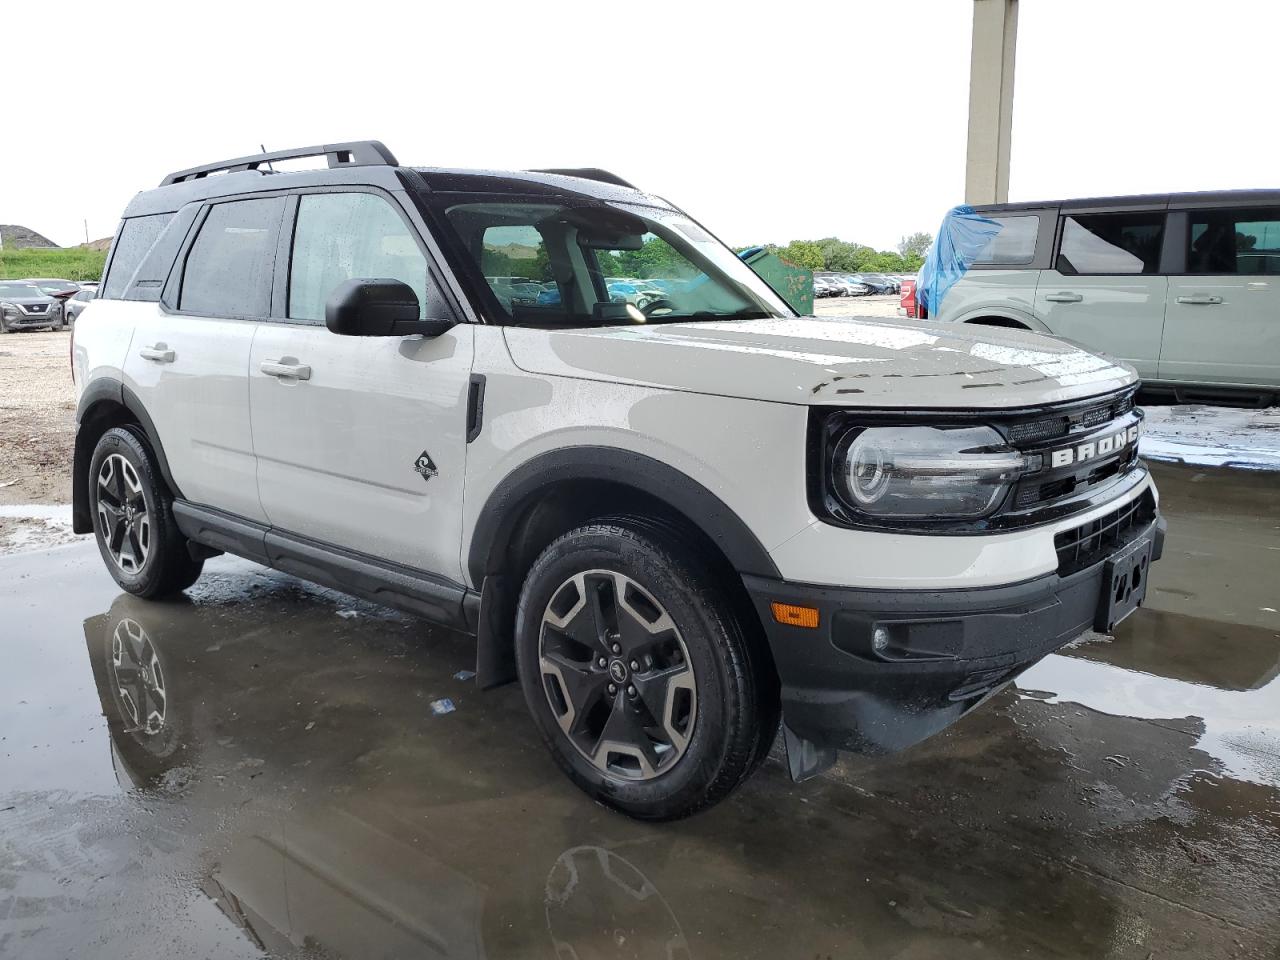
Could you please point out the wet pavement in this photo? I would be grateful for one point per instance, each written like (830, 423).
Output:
(259, 770)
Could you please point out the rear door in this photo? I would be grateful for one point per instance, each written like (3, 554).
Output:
(189, 358)
(364, 446)
(1222, 323)
(1104, 289)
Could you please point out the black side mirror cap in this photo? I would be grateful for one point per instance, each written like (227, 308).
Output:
(364, 307)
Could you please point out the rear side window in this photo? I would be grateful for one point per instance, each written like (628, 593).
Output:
(136, 236)
(1234, 242)
(1015, 243)
(1111, 243)
(228, 271)
(342, 236)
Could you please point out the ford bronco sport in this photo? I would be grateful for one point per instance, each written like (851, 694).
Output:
(676, 524)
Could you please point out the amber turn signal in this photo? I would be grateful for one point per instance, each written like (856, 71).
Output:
(795, 616)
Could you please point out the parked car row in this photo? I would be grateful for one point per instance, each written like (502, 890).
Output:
(521, 291)
(42, 302)
(855, 284)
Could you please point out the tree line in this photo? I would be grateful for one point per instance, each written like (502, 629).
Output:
(841, 256)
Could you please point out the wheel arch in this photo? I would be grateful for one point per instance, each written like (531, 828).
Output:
(105, 403)
(557, 491)
(1002, 315)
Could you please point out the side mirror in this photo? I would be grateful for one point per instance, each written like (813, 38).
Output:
(364, 307)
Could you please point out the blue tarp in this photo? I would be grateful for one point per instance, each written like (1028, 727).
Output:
(963, 235)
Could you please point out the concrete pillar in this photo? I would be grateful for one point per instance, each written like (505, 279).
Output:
(995, 37)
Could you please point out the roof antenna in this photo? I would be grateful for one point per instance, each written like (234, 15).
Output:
(264, 150)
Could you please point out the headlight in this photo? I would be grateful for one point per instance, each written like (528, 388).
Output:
(914, 473)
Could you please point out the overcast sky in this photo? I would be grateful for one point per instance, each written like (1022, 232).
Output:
(801, 121)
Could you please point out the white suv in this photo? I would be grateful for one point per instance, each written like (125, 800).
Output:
(1184, 286)
(674, 524)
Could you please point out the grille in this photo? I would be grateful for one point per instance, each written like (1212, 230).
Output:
(1051, 428)
(1085, 545)
(36, 308)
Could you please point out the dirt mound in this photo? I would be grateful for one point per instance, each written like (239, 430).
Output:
(103, 244)
(16, 237)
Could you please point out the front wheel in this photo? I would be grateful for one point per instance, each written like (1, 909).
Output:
(133, 518)
(638, 673)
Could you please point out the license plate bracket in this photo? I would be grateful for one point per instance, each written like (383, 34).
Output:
(1124, 584)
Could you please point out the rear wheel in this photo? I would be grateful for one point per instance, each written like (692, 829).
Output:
(133, 518)
(638, 673)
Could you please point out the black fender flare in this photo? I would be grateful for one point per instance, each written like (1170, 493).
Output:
(108, 390)
(507, 502)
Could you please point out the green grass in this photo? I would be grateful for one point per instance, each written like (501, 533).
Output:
(75, 263)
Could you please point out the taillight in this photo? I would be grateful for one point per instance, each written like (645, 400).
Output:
(908, 301)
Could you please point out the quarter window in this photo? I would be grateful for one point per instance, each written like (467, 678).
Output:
(136, 237)
(341, 236)
(1234, 242)
(1112, 243)
(1015, 243)
(229, 268)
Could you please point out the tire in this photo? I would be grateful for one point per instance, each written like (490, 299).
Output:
(687, 683)
(133, 519)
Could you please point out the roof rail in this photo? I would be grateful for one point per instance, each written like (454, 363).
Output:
(358, 153)
(590, 173)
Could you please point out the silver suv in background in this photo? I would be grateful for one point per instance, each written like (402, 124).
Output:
(24, 306)
(1185, 287)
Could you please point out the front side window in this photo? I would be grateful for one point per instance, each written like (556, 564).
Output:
(228, 271)
(591, 263)
(1234, 242)
(1111, 243)
(137, 234)
(343, 236)
(1015, 243)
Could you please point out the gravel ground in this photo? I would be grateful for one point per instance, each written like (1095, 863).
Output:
(886, 306)
(37, 429)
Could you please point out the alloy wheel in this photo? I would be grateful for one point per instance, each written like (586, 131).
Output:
(617, 675)
(123, 516)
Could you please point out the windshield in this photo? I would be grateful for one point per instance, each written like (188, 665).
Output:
(572, 264)
(19, 290)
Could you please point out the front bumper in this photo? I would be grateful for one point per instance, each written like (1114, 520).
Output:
(947, 651)
(23, 321)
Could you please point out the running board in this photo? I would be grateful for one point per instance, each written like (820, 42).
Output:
(394, 585)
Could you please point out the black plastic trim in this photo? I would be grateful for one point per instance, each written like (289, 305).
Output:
(395, 585)
(490, 540)
(475, 406)
(947, 650)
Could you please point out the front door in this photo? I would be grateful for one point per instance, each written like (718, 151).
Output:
(189, 361)
(1222, 324)
(361, 441)
(1105, 291)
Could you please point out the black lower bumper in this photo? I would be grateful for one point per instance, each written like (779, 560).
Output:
(885, 669)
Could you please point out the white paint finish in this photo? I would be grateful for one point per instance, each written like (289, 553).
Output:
(833, 556)
(749, 454)
(199, 403)
(1213, 436)
(831, 361)
(101, 341)
(1233, 339)
(336, 452)
(1123, 316)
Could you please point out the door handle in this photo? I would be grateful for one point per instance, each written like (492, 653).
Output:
(286, 367)
(1064, 297)
(1199, 298)
(160, 353)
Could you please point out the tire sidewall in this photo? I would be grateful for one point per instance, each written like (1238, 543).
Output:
(701, 626)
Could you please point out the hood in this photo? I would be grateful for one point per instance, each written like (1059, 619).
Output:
(29, 301)
(844, 361)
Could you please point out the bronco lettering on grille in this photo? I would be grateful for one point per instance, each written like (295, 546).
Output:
(1095, 448)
